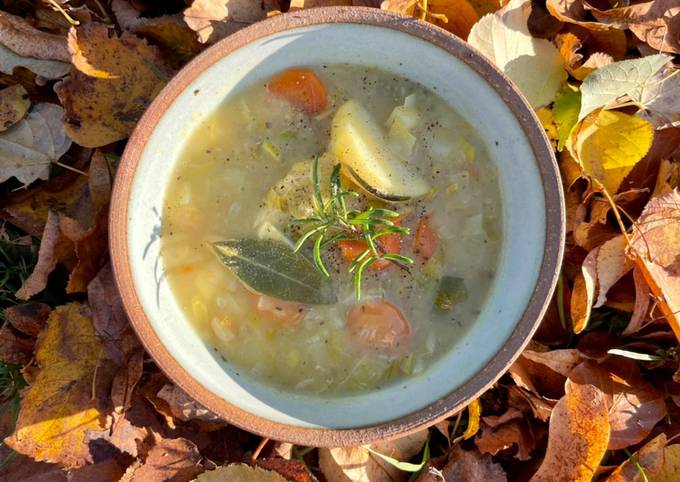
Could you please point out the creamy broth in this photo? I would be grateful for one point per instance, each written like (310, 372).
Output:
(245, 173)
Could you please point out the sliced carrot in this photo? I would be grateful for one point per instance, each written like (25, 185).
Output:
(389, 244)
(302, 88)
(426, 241)
(380, 326)
(283, 313)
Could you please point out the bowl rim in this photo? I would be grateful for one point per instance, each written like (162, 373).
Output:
(438, 409)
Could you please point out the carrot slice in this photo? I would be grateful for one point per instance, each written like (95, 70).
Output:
(390, 243)
(426, 241)
(379, 325)
(283, 313)
(302, 88)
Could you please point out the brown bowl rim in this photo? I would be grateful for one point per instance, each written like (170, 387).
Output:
(457, 398)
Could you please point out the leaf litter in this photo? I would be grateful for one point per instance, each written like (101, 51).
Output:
(595, 395)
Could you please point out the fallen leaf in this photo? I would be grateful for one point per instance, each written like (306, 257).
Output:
(535, 65)
(292, 470)
(26, 469)
(668, 177)
(108, 469)
(643, 300)
(14, 104)
(655, 247)
(565, 112)
(465, 466)
(583, 294)
(536, 377)
(48, 69)
(528, 402)
(125, 381)
(560, 361)
(656, 23)
(174, 459)
(213, 20)
(109, 318)
(300, 4)
(633, 78)
(356, 464)
(578, 436)
(634, 406)
(184, 407)
(456, 16)
(608, 144)
(17, 35)
(14, 348)
(28, 318)
(515, 432)
(112, 81)
(69, 394)
(29, 147)
(659, 461)
(240, 473)
(53, 247)
(572, 11)
(474, 409)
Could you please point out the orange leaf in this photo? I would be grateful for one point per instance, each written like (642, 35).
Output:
(578, 436)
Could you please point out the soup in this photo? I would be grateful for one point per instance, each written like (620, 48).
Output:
(332, 229)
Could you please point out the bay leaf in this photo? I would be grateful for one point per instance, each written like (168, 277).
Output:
(274, 269)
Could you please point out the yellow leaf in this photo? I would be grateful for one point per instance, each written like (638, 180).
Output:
(578, 436)
(547, 120)
(456, 16)
(474, 412)
(608, 144)
(112, 82)
(68, 396)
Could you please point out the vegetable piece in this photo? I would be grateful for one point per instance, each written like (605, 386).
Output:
(352, 249)
(451, 291)
(274, 269)
(283, 313)
(358, 142)
(380, 325)
(426, 240)
(302, 88)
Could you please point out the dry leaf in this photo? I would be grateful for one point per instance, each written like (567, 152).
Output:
(608, 144)
(356, 464)
(14, 104)
(300, 4)
(17, 35)
(572, 11)
(112, 81)
(239, 473)
(535, 65)
(66, 399)
(465, 466)
(29, 147)
(578, 436)
(184, 407)
(213, 20)
(48, 69)
(28, 318)
(660, 462)
(515, 432)
(560, 361)
(634, 405)
(26, 469)
(14, 348)
(583, 294)
(292, 470)
(53, 249)
(656, 23)
(643, 300)
(170, 459)
(655, 247)
(456, 16)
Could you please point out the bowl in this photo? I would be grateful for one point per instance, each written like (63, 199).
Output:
(533, 223)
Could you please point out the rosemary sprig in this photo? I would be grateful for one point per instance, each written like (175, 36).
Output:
(333, 221)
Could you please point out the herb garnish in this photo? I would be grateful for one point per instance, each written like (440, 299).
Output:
(333, 221)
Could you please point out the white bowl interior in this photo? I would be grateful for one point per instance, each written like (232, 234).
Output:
(523, 214)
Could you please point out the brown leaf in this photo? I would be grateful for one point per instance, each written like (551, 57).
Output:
(69, 395)
(465, 466)
(668, 176)
(112, 81)
(460, 15)
(560, 361)
(14, 104)
(655, 247)
(213, 20)
(109, 469)
(504, 433)
(14, 348)
(660, 462)
(240, 473)
(17, 35)
(643, 300)
(578, 436)
(28, 318)
(656, 23)
(526, 401)
(634, 405)
(185, 408)
(572, 11)
(54, 247)
(292, 470)
(25, 469)
(170, 459)
(356, 464)
(125, 381)
(537, 377)
(583, 294)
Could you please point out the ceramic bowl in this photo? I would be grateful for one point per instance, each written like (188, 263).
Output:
(533, 226)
